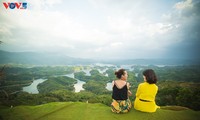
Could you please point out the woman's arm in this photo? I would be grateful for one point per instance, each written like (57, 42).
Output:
(138, 91)
(129, 92)
(113, 82)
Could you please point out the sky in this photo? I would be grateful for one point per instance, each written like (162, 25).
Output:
(103, 29)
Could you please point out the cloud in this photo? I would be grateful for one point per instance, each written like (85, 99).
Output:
(117, 44)
(184, 4)
(185, 16)
(98, 29)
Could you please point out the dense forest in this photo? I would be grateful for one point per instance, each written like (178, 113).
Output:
(178, 85)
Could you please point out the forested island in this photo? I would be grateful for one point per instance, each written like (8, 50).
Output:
(178, 85)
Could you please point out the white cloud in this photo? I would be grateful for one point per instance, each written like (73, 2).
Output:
(38, 5)
(119, 24)
(158, 28)
(105, 27)
(183, 4)
(98, 50)
(116, 44)
(4, 30)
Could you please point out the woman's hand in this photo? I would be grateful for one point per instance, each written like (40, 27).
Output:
(129, 93)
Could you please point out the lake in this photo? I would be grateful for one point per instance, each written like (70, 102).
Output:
(33, 87)
(78, 86)
(109, 86)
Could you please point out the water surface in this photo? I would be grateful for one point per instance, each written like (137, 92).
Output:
(33, 87)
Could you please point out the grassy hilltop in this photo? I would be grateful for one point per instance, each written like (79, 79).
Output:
(88, 111)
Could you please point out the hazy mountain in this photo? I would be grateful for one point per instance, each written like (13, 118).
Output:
(155, 61)
(60, 59)
(40, 58)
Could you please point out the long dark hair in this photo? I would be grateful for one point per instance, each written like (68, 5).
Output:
(150, 76)
(119, 73)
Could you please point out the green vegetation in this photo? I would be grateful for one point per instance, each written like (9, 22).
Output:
(179, 93)
(17, 76)
(88, 111)
(95, 83)
(178, 85)
(95, 87)
(57, 83)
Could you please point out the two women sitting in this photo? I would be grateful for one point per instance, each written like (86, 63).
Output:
(145, 95)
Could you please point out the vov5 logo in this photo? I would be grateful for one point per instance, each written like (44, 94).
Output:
(15, 5)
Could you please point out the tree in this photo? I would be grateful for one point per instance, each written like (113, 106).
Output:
(1, 75)
(189, 97)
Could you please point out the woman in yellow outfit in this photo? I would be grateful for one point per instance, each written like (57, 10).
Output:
(146, 93)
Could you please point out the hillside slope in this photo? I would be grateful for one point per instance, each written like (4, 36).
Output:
(87, 111)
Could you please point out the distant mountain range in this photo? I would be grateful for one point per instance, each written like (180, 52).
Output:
(60, 59)
(40, 58)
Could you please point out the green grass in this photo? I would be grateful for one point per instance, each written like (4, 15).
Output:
(88, 111)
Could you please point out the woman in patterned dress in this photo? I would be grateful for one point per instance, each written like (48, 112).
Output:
(121, 93)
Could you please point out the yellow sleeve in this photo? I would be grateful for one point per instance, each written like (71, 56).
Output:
(138, 90)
